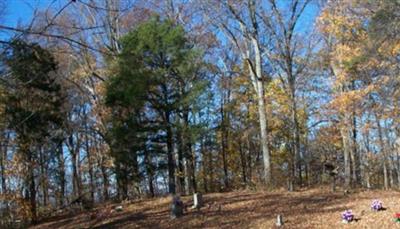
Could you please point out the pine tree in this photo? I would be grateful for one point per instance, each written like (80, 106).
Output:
(158, 81)
(33, 105)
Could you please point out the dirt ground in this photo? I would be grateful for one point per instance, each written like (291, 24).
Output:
(314, 208)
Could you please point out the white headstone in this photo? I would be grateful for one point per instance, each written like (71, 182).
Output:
(279, 221)
(197, 200)
(119, 208)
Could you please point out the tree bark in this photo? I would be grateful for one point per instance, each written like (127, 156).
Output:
(354, 149)
(390, 149)
(346, 152)
(296, 129)
(204, 164)
(243, 163)
(61, 173)
(3, 159)
(254, 63)
(384, 154)
(224, 143)
(105, 182)
(181, 171)
(32, 184)
(43, 176)
(249, 152)
(76, 181)
(193, 168)
(90, 161)
(262, 118)
(170, 156)
(364, 166)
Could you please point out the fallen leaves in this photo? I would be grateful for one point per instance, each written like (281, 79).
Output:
(315, 208)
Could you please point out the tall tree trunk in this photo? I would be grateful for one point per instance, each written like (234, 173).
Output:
(346, 152)
(243, 163)
(43, 176)
(296, 128)
(106, 183)
(3, 159)
(149, 170)
(391, 178)
(90, 162)
(193, 169)
(122, 184)
(353, 169)
(249, 152)
(254, 65)
(151, 185)
(76, 181)
(224, 139)
(398, 167)
(32, 185)
(135, 173)
(61, 173)
(353, 163)
(354, 149)
(291, 170)
(32, 195)
(181, 186)
(345, 129)
(210, 170)
(389, 153)
(170, 156)
(263, 125)
(203, 164)
(75, 176)
(225, 165)
(308, 157)
(293, 107)
(187, 176)
(385, 174)
(2, 167)
(383, 153)
(364, 166)
(189, 152)
(249, 163)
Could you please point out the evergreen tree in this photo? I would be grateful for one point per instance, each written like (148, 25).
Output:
(157, 82)
(33, 106)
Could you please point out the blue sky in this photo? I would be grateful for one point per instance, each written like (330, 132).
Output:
(21, 11)
(17, 12)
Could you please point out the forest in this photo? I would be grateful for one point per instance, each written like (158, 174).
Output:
(122, 100)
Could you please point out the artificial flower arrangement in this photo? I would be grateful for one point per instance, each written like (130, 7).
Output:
(347, 216)
(397, 217)
(377, 205)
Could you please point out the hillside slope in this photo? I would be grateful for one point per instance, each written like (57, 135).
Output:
(315, 208)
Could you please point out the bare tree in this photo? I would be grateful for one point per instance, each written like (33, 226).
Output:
(290, 53)
(239, 23)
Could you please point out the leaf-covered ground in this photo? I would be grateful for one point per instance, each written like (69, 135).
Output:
(315, 208)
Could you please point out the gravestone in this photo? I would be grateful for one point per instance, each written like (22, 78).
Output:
(119, 208)
(197, 200)
(82, 202)
(279, 221)
(333, 172)
(176, 207)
